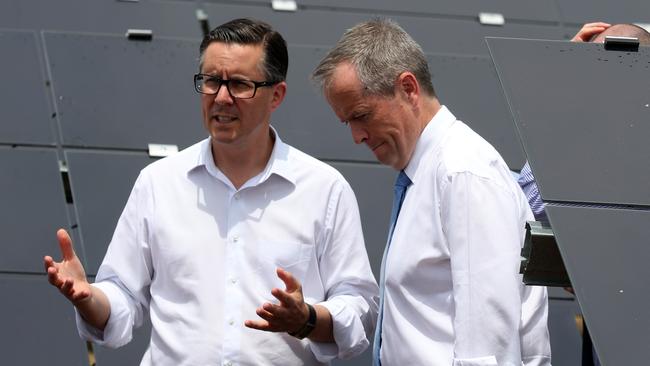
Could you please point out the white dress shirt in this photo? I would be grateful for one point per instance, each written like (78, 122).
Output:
(453, 294)
(202, 256)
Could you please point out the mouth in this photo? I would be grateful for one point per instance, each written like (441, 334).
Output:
(376, 146)
(219, 118)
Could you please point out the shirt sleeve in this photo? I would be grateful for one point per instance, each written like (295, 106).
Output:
(125, 274)
(535, 340)
(483, 225)
(529, 186)
(350, 289)
(118, 330)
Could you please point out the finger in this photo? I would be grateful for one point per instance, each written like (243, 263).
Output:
(285, 298)
(589, 30)
(66, 244)
(271, 309)
(258, 324)
(53, 277)
(597, 24)
(67, 287)
(290, 282)
(585, 36)
(269, 317)
(48, 262)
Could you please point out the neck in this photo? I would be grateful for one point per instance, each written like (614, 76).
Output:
(426, 109)
(430, 108)
(239, 163)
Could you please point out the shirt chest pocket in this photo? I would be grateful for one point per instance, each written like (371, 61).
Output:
(293, 257)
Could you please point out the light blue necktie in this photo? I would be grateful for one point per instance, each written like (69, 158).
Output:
(401, 184)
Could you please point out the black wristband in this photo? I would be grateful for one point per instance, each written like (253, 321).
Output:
(309, 325)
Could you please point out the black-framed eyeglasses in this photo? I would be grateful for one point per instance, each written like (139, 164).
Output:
(240, 89)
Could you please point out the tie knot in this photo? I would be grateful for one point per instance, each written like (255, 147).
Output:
(402, 180)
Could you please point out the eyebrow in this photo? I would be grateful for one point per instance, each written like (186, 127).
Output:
(363, 109)
(231, 75)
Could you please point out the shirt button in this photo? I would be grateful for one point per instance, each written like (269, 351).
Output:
(236, 196)
(235, 239)
(233, 280)
(227, 363)
(231, 322)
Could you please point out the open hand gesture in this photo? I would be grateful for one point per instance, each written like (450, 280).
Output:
(287, 316)
(68, 275)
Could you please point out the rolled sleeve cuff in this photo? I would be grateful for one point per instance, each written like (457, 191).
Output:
(349, 333)
(476, 361)
(118, 330)
(542, 360)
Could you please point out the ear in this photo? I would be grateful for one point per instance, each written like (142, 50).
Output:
(408, 86)
(279, 91)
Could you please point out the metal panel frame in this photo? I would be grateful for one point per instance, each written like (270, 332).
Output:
(26, 108)
(109, 94)
(583, 143)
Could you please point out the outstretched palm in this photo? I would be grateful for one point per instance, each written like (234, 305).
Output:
(68, 275)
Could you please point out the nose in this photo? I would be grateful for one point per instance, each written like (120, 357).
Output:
(223, 96)
(359, 135)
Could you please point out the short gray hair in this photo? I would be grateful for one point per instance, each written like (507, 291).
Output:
(379, 50)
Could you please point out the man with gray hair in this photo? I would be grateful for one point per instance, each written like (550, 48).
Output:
(450, 292)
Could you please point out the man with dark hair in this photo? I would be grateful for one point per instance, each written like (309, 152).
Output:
(210, 242)
(450, 292)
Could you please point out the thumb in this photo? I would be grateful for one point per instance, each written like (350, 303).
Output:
(291, 283)
(65, 243)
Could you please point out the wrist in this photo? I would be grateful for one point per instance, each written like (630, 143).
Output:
(309, 324)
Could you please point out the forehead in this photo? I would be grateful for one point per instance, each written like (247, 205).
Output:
(232, 58)
(344, 86)
(345, 93)
(344, 79)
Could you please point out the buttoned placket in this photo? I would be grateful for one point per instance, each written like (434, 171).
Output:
(232, 322)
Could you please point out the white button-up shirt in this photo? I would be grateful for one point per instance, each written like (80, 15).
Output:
(202, 256)
(453, 294)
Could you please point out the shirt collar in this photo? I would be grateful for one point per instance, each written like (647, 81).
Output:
(430, 139)
(278, 163)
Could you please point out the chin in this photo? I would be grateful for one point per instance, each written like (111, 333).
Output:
(384, 160)
(223, 137)
(390, 160)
